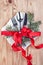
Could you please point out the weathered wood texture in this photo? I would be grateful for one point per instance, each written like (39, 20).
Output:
(9, 9)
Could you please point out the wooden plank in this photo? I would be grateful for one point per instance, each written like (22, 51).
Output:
(6, 14)
(1, 50)
(7, 10)
(9, 54)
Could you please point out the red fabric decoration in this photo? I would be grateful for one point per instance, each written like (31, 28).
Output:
(17, 36)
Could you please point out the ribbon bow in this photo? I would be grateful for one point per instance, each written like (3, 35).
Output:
(17, 37)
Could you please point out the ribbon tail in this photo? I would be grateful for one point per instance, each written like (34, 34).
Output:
(15, 48)
(38, 46)
(29, 58)
(29, 63)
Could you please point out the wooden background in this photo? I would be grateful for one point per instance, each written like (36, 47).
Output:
(7, 10)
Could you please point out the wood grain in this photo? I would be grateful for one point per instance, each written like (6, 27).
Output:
(7, 10)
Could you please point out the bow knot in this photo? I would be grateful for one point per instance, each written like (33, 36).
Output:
(17, 37)
(25, 31)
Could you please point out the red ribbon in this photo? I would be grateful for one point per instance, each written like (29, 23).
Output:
(17, 36)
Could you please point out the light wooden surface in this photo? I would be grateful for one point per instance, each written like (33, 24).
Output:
(7, 10)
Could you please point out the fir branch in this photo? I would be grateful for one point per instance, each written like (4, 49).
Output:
(30, 17)
(34, 26)
(25, 39)
(9, 28)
